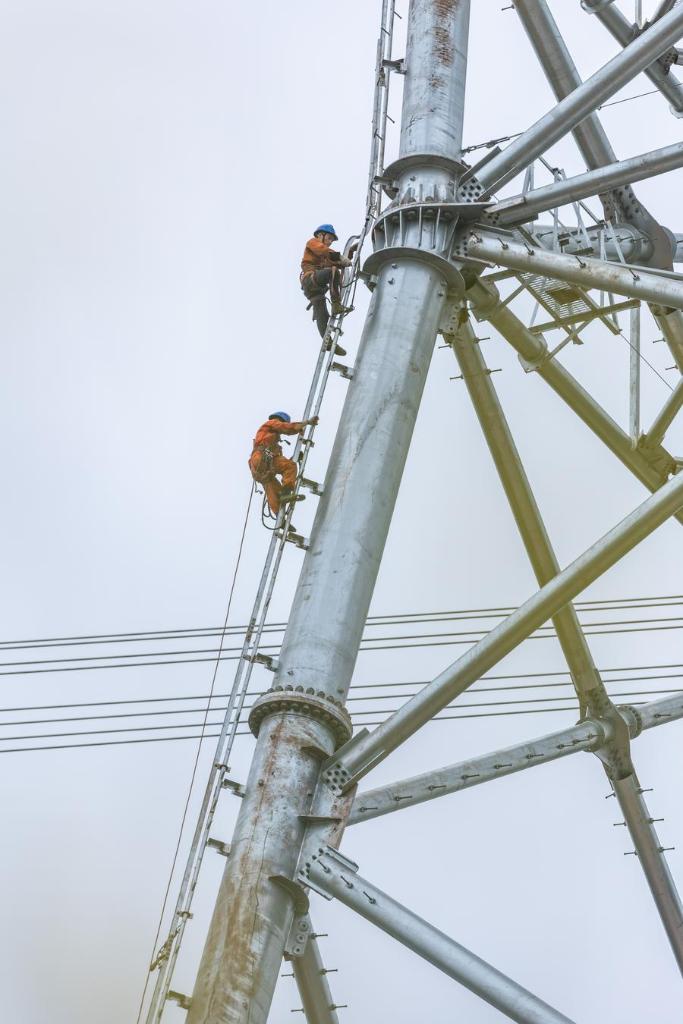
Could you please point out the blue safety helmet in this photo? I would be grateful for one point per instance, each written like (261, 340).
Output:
(328, 229)
(284, 416)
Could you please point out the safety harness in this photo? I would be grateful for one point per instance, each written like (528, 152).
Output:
(265, 469)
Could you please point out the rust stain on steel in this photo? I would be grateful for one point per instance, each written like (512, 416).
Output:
(248, 870)
(442, 50)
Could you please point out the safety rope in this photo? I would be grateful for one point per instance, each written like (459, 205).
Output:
(199, 746)
(280, 534)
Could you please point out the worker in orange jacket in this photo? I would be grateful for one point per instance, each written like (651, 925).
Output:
(267, 461)
(321, 269)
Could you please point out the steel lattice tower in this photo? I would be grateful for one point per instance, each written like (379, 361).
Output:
(441, 245)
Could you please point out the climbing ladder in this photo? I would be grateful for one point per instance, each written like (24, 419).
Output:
(165, 959)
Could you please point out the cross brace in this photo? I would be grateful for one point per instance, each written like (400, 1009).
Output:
(366, 749)
(334, 876)
(588, 735)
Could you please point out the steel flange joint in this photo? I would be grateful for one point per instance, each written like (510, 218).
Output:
(309, 702)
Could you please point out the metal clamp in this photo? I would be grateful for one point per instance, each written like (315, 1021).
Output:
(299, 935)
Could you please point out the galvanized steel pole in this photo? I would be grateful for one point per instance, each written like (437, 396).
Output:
(244, 948)
(650, 854)
(666, 415)
(527, 514)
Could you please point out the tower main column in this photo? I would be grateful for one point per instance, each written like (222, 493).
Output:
(303, 712)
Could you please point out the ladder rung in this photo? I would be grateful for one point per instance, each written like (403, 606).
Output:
(183, 1001)
(311, 485)
(395, 65)
(295, 538)
(235, 787)
(262, 659)
(219, 846)
(344, 371)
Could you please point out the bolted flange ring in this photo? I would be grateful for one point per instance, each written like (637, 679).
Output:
(309, 702)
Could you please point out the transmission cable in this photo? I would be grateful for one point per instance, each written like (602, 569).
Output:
(647, 362)
(415, 687)
(202, 736)
(246, 732)
(188, 632)
(369, 643)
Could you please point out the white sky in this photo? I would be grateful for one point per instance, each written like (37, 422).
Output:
(163, 164)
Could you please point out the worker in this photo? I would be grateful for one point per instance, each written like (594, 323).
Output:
(267, 461)
(321, 270)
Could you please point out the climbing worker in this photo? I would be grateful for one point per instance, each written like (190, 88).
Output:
(321, 269)
(267, 461)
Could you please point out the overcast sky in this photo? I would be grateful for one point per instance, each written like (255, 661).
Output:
(164, 162)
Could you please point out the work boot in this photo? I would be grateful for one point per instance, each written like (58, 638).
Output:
(287, 497)
(338, 350)
(338, 309)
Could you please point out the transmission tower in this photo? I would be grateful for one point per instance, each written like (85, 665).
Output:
(443, 244)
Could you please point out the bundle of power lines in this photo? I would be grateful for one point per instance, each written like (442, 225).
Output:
(118, 721)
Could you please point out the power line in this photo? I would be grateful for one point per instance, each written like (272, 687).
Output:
(415, 685)
(490, 143)
(355, 716)
(201, 738)
(643, 359)
(246, 732)
(383, 643)
(199, 632)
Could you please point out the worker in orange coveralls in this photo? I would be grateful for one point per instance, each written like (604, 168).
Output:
(267, 461)
(321, 269)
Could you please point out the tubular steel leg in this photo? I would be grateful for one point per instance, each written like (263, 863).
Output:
(583, 100)
(254, 912)
(563, 76)
(650, 465)
(670, 322)
(666, 416)
(527, 515)
(368, 749)
(634, 375)
(335, 877)
(622, 30)
(590, 137)
(311, 979)
(651, 857)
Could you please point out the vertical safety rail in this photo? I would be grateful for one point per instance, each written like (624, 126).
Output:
(380, 115)
(167, 955)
